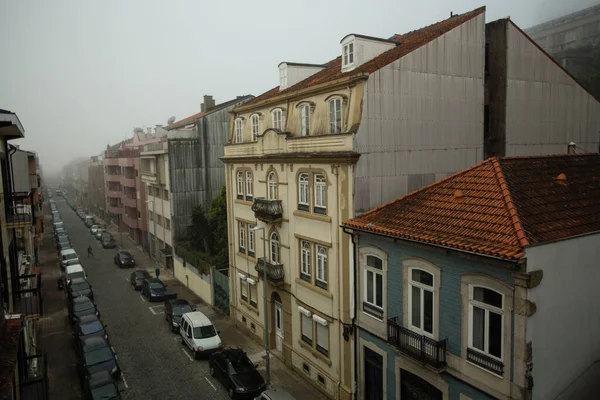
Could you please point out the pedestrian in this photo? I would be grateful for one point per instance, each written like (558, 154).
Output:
(90, 254)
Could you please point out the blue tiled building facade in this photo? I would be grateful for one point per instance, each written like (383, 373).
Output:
(418, 313)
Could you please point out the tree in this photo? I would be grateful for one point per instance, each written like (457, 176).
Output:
(199, 231)
(590, 76)
(217, 220)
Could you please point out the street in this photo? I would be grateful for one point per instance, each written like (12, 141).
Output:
(154, 363)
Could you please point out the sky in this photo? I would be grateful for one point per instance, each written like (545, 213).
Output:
(83, 74)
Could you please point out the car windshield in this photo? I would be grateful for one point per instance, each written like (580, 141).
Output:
(98, 356)
(78, 274)
(180, 310)
(93, 327)
(83, 306)
(204, 332)
(156, 286)
(240, 367)
(106, 392)
(80, 286)
(70, 256)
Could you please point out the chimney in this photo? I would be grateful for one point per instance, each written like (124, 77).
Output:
(571, 148)
(209, 103)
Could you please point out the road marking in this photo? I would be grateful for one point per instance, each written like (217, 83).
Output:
(151, 308)
(142, 297)
(187, 354)
(127, 279)
(124, 381)
(113, 349)
(211, 384)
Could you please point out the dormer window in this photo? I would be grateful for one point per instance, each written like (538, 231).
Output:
(348, 52)
(283, 77)
(238, 131)
(335, 115)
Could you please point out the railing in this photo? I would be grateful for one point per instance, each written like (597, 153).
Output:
(113, 177)
(420, 347)
(20, 209)
(267, 210)
(117, 209)
(114, 193)
(275, 272)
(485, 361)
(127, 181)
(33, 372)
(28, 300)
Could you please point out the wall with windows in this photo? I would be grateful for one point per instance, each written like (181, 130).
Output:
(466, 301)
(565, 327)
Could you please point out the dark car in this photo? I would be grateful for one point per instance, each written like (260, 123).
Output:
(79, 287)
(64, 244)
(62, 237)
(155, 290)
(108, 242)
(87, 327)
(124, 259)
(174, 309)
(237, 373)
(98, 358)
(81, 307)
(101, 385)
(137, 278)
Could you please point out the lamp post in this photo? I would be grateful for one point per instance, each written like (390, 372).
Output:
(155, 240)
(262, 228)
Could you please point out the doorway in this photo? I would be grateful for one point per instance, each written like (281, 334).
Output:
(373, 375)
(278, 315)
(413, 387)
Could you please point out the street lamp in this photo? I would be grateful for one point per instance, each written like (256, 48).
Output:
(262, 228)
(155, 239)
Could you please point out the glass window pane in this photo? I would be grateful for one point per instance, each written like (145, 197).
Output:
(478, 328)
(487, 296)
(307, 326)
(379, 290)
(495, 334)
(323, 336)
(374, 262)
(416, 306)
(428, 311)
(369, 287)
(422, 277)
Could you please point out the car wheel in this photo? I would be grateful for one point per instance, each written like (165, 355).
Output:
(211, 370)
(230, 392)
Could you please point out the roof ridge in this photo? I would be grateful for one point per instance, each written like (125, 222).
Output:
(510, 205)
(451, 176)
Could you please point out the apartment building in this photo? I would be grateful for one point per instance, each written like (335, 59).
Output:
(97, 186)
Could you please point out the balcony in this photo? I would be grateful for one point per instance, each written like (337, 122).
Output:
(111, 162)
(129, 182)
(130, 222)
(420, 347)
(28, 299)
(267, 210)
(19, 212)
(112, 178)
(115, 209)
(114, 193)
(275, 272)
(486, 362)
(129, 201)
(126, 162)
(33, 372)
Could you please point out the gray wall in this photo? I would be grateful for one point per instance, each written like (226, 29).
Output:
(422, 117)
(564, 330)
(20, 165)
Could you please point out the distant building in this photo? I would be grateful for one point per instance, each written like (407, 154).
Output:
(96, 186)
(569, 38)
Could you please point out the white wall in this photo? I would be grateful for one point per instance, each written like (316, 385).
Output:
(546, 108)
(565, 330)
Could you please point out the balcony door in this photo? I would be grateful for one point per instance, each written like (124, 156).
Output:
(373, 375)
(278, 308)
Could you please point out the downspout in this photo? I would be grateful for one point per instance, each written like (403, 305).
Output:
(338, 278)
(10, 166)
(354, 305)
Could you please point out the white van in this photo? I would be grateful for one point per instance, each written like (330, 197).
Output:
(199, 334)
(74, 271)
(66, 255)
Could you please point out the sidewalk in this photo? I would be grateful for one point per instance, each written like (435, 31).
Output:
(281, 376)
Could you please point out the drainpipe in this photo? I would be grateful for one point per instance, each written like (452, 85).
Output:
(354, 307)
(12, 151)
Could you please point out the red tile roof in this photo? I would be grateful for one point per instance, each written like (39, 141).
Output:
(407, 43)
(497, 207)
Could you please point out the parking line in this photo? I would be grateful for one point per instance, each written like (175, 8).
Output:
(124, 381)
(211, 384)
(127, 279)
(187, 354)
(142, 297)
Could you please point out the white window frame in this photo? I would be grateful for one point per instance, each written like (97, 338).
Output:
(303, 191)
(305, 257)
(369, 270)
(277, 118)
(275, 246)
(249, 184)
(239, 136)
(255, 126)
(421, 287)
(348, 54)
(244, 285)
(304, 120)
(240, 184)
(242, 235)
(321, 343)
(320, 189)
(321, 266)
(272, 186)
(305, 322)
(253, 294)
(250, 239)
(283, 77)
(487, 309)
(335, 124)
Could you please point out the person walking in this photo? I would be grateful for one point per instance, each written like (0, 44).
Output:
(90, 254)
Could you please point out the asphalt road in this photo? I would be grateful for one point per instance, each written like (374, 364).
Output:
(154, 363)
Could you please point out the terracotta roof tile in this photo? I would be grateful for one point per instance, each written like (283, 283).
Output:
(407, 43)
(507, 205)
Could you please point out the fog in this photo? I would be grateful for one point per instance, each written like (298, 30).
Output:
(81, 74)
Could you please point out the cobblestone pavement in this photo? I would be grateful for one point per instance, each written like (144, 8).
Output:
(155, 365)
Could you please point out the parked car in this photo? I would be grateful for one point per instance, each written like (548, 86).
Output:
(79, 287)
(89, 221)
(59, 231)
(94, 228)
(108, 242)
(124, 259)
(61, 235)
(275, 394)
(101, 385)
(81, 307)
(155, 290)
(199, 334)
(99, 232)
(137, 278)
(87, 327)
(237, 373)
(63, 244)
(99, 359)
(174, 310)
(66, 255)
(74, 271)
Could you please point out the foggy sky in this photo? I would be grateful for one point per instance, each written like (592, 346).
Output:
(82, 74)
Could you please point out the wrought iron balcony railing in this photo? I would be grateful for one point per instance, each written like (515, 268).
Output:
(33, 372)
(267, 210)
(275, 272)
(485, 361)
(19, 210)
(27, 300)
(420, 347)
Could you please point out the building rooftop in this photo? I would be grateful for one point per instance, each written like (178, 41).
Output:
(498, 207)
(192, 118)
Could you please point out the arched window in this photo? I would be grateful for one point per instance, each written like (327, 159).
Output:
(255, 123)
(274, 248)
(239, 138)
(321, 267)
(249, 185)
(303, 192)
(335, 115)
(272, 186)
(240, 185)
(421, 301)
(277, 116)
(304, 120)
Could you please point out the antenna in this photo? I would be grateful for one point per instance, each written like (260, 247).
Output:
(171, 120)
